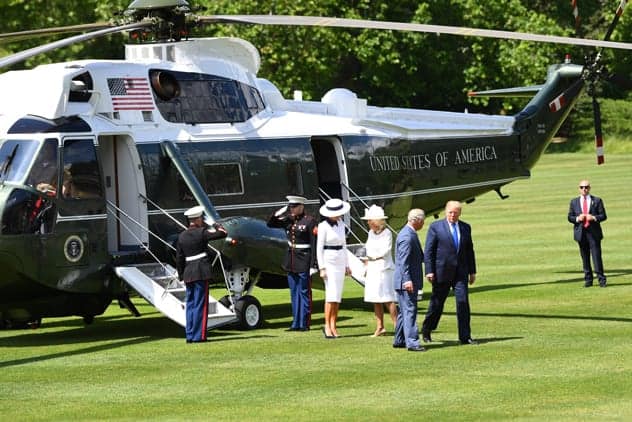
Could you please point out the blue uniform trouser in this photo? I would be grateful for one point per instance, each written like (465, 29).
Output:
(197, 310)
(406, 331)
(440, 292)
(301, 298)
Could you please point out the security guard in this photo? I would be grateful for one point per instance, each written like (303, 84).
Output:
(300, 257)
(194, 268)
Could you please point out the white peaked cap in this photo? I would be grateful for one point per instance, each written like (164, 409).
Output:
(292, 199)
(374, 212)
(194, 212)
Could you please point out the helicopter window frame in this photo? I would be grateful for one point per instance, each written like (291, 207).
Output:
(72, 182)
(231, 176)
(204, 98)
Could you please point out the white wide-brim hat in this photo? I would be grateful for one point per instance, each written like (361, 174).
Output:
(374, 212)
(334, 207)
(194, 212)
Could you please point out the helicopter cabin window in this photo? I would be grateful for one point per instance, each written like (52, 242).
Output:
(81, 176)
(197, 98)
(15, 159)
(44, 175)
(223, 179)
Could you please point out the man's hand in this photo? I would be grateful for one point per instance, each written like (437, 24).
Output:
(472, 278)
(408, 286)
(430, 277)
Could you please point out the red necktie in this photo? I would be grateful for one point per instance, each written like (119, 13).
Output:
(585, 211)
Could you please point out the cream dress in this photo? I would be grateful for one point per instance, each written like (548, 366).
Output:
(378, 283)
(333, 261)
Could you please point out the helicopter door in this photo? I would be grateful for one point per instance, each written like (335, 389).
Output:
(81, 205)
(125, 190)
(331, 168)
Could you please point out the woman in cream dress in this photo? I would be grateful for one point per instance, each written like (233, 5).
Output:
(378, 283)
(331, 253)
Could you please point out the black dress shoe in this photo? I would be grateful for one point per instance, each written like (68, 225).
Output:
(469, 341)
(399, 346)
(426, 337)
(291, 329)
(587, 284)
(417, 349)
(325, 334)
(304, 329)
(602, 284)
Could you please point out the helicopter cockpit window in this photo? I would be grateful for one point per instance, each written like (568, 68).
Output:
(44, 175)
(81, 176)
(199, 98)
(223, 179)
(15, 159)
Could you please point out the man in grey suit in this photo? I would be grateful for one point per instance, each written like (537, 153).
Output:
(450, 263)
(586, 212)
(407, 281)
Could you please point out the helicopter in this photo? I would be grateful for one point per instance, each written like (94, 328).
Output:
(96, 174)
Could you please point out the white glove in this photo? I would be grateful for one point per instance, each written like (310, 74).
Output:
(281, 211)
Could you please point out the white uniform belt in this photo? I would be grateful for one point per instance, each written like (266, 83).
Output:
(196, 257)
(299, 246)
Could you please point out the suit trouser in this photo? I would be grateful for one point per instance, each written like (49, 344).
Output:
(301, 298)
(589, 245)
(197, 310)
(406, 331)
(440, 292)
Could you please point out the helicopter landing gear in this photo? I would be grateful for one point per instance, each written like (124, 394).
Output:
(248, 311)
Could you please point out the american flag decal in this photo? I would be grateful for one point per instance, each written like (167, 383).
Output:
(558, 103)
(130, 94)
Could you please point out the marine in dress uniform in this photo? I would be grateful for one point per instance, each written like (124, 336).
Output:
(194, 268)
(299, 258)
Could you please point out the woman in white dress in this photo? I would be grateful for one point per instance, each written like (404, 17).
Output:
(378, 283)
(331, 253)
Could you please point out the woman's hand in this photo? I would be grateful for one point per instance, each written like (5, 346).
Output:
(323, 274)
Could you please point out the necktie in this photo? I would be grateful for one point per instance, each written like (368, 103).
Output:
(585, 211)
(455, 236)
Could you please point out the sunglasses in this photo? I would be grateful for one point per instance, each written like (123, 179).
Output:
(585, 187)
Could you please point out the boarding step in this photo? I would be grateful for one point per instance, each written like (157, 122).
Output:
(159, 285)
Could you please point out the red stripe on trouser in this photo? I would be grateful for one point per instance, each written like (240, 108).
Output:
(205, 311)
(309, 294)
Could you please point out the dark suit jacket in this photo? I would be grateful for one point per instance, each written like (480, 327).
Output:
(596, 208)
(442, 258)
(408, 259)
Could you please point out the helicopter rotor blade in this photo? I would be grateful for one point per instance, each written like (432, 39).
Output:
(615, 20)
(402, 26)
(26, 54)
(598, 133)
(33, 33)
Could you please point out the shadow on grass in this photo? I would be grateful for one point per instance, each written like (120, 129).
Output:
(610, 274)
(440, 344)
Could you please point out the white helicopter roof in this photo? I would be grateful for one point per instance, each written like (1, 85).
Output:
(45, 91)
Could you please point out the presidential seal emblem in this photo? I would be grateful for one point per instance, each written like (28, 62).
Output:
(73, 248)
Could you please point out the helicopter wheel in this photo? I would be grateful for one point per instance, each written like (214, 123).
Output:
(248, 311)
(88, 319)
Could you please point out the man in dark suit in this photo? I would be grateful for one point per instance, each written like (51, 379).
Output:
(407, 281)
(586, 212)
(450, 263)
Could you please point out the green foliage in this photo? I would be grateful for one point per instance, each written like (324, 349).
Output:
(388, 68)
(550, 349)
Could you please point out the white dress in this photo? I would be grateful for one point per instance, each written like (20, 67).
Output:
(334, 261)
(378, 283)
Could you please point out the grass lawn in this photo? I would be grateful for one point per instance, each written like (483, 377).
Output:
(549, 348)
